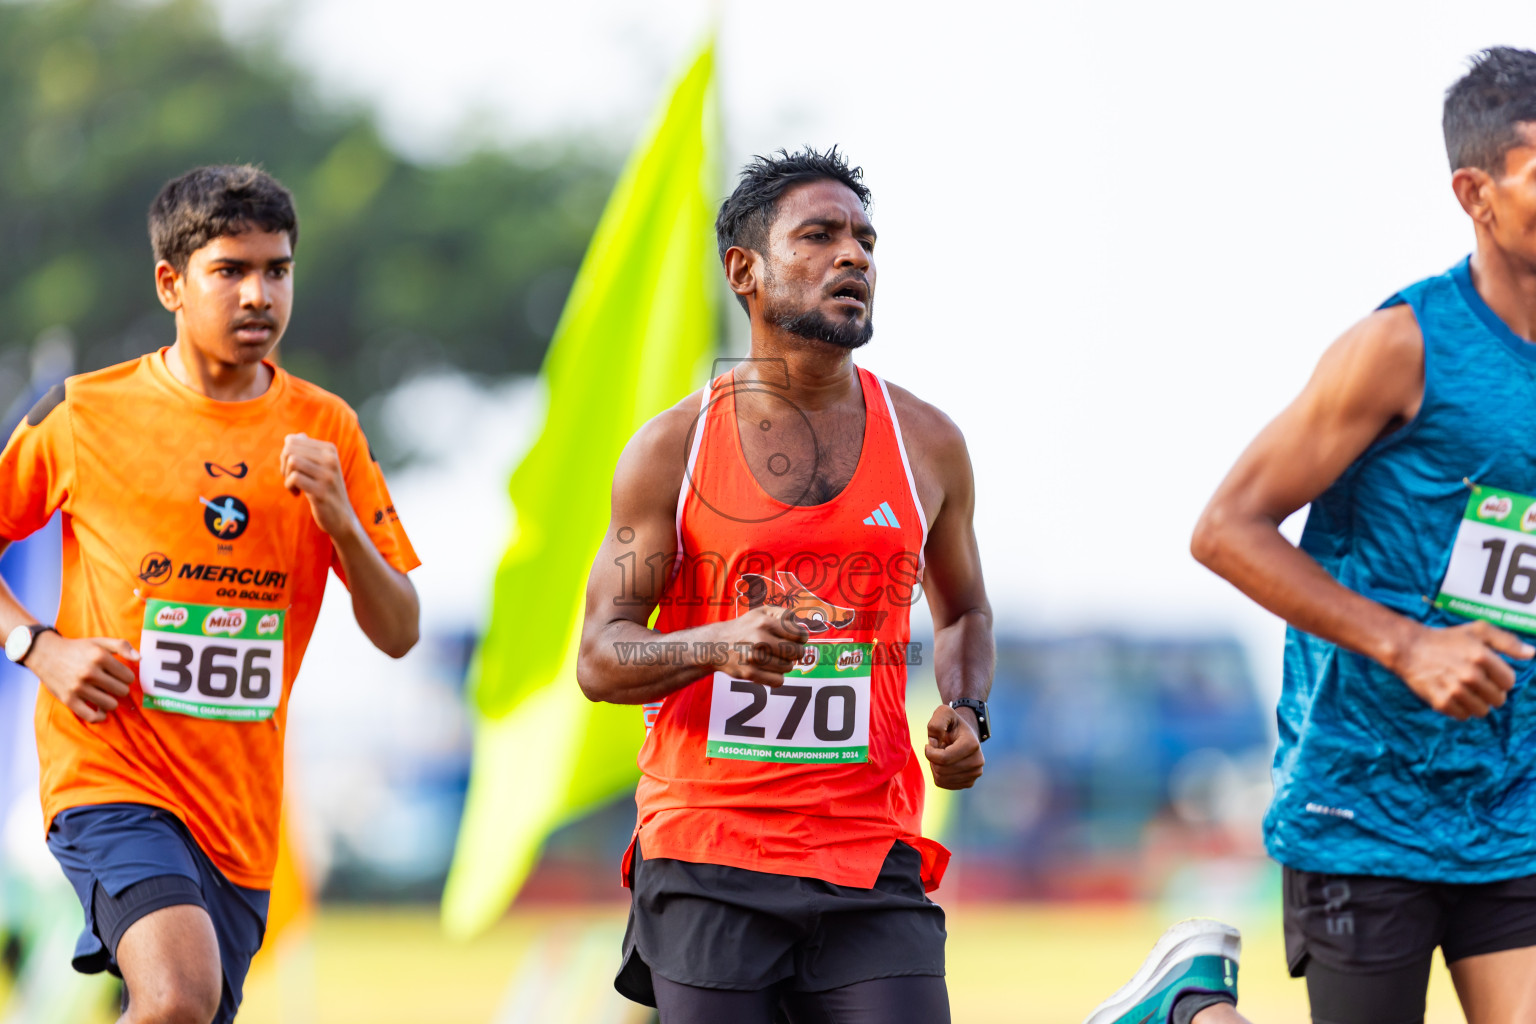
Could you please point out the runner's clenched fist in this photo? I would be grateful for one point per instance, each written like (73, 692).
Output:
(313, 468)
(762, 644)
(954, 749)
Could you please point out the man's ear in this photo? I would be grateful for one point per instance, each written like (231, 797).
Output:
(743, 270)
(168, 285)
(1473, 187)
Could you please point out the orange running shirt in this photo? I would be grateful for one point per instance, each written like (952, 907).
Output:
(180, 538)
(818, 777)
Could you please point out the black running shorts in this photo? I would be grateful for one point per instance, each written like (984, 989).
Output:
(715, 927)
(1364, 923)
(1365, 944)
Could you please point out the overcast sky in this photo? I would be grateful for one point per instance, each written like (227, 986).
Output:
(1115, 237)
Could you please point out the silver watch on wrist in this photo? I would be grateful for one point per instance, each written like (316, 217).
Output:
(19, 644)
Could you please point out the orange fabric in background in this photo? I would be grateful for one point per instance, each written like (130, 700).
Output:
(129, 457)
(292, 901)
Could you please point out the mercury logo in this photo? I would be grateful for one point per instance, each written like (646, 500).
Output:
(851, 657)
(1495, 506)
(268, 624)
(170, 617)
(155, 568)
(224, 620)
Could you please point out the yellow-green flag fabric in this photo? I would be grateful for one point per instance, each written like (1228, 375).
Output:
(634, 339)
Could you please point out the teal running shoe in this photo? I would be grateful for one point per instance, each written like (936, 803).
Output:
(1198, 955)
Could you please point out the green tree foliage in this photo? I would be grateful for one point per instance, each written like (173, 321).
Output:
(399, 265)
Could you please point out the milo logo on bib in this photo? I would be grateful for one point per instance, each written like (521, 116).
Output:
(820, 715)
(170, 616)
(224, 620)
(212, 661)
(1495, 507)
(1492, 573)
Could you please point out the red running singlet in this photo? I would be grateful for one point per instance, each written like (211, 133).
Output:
(818, 777)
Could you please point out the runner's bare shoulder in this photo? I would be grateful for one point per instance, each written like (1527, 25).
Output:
(1378, 365)
(941, 465)
(925, 428)
(650, 470)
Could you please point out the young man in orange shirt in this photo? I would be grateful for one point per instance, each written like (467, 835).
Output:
(205, 493)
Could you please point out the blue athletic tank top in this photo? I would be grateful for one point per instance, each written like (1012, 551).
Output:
(1368, 778)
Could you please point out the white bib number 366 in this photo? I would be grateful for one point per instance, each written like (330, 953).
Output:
(212, 662)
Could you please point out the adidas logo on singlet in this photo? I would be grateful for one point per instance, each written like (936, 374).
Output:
(882, 516)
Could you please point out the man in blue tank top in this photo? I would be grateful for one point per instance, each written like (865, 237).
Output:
(1405, 781)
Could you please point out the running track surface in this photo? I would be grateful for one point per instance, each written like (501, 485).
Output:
(1008, 964)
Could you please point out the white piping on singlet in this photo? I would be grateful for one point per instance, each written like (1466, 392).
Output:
(652, 708)
(693, 457)
(901, 446)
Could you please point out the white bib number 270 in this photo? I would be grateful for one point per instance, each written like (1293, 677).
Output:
(212, 662)
(820, 715)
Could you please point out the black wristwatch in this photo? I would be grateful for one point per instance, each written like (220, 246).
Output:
(983, 726)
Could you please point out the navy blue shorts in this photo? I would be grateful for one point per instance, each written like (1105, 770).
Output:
(127, 861)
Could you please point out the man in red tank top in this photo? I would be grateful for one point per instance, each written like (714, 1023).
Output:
(780, 524)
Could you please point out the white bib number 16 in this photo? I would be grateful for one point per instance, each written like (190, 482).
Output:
(1492, 573)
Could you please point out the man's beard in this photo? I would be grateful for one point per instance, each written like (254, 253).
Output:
(814, 325)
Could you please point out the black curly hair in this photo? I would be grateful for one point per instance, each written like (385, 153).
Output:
(747, 215)
(210, 202)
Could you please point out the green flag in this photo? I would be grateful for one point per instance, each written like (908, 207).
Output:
(635, 335)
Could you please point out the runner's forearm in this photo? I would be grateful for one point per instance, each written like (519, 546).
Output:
(965, 658)
(623, 662)
(384, 601)
(1254, 557)
(12, 612)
